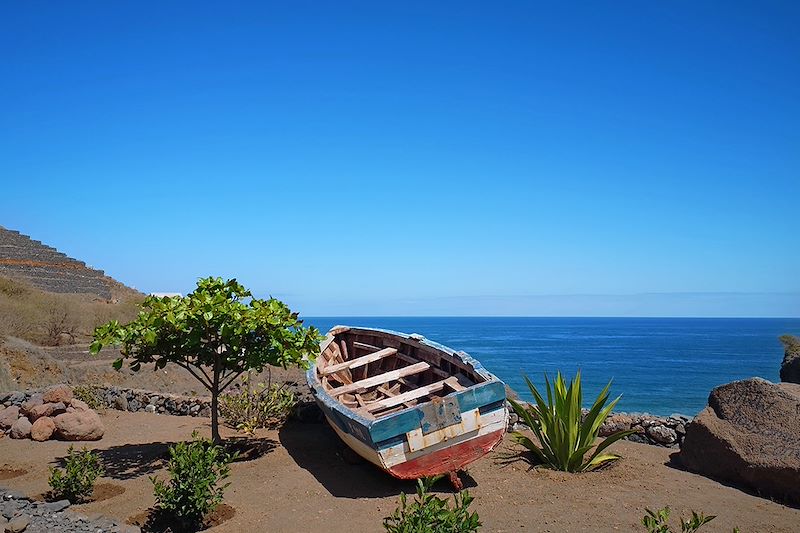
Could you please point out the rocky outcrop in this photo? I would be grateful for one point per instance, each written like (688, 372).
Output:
(749, 435)
(790, 367)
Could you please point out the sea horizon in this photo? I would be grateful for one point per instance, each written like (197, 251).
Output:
(660, 365)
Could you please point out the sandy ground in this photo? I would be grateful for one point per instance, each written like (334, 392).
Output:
(298, 479)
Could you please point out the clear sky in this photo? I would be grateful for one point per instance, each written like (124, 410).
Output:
(631, 158)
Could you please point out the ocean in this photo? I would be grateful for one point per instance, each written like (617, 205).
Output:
(660, 366)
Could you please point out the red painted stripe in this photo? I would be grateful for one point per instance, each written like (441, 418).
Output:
(448, 459)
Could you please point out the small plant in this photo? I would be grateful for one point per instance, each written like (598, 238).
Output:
(89, 395)
(430, 514)
(564, 434)
(658, 521)
(196, 470)
(262, 406)
(76, 482)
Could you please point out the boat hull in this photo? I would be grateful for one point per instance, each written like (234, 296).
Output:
(436, 437)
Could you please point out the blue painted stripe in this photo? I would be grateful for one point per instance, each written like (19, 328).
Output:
(475, 397)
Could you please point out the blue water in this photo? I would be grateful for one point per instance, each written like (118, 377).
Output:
(659, 365)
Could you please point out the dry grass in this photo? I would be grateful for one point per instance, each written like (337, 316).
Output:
(51, 319)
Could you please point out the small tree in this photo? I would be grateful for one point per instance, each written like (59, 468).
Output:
(216, 333)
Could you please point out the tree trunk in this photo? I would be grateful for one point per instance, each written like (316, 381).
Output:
(215, 404)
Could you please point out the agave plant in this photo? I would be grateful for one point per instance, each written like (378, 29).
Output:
(564, 434)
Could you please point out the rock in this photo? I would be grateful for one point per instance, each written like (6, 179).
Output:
(17, 398)
(55, 507)
(150, 408)
(662, 434)
(47, 409)
(43, 429)
(21, 429)
(79, 405)
(18, 525)
(57, 393)
(133, 405)
(8, 416)
(749, 435)
(121, 403)
(26, 407)
(790, 367)
(80, 425)
(615, 423)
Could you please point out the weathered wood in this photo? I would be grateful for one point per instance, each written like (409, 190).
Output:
(360, 361)
(380, 379)
(414, 394)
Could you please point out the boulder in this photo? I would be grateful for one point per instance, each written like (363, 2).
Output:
(749, 435)
(46, 409)
(79, 405)
(661, 434)
(615, 423)
(790, 367)
(43, 429)
(8, 416)
(57, 393)
(26, 407)
(79, 425)
(21, 429)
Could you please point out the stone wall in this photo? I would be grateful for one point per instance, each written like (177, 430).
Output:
(48, 269)
(650, 429)
(133, 400)
(666, 431)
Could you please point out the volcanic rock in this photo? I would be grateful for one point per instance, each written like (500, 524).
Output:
(21, 429)
(43, 429)
(8, 416)
(57, 393)
(749, 435)
(79, 425)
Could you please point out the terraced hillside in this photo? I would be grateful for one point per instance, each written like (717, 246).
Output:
(48, 269)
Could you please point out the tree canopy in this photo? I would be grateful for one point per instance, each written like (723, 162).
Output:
(217, 332)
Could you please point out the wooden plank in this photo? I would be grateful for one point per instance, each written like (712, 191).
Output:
(408, 359)
(411, 395)
(360, 361)
(380, 379)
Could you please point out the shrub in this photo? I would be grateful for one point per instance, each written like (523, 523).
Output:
(89, 395)
(657, 522)
(564, 434)
(262, 406)
(196, 469)
(76, 482)
(430, 514)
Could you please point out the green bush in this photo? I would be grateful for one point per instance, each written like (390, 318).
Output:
(262, 406)
(196, 470)
(658, 521)
(565, 435)
(76, 482)
(90, 395)
(431, 514)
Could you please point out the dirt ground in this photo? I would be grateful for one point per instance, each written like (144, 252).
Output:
(300, 479)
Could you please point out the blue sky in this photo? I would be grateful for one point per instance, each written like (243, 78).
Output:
(634, 158)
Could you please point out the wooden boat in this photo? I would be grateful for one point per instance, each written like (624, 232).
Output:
(409, 405)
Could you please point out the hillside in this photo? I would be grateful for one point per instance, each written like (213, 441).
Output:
(48, 269)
